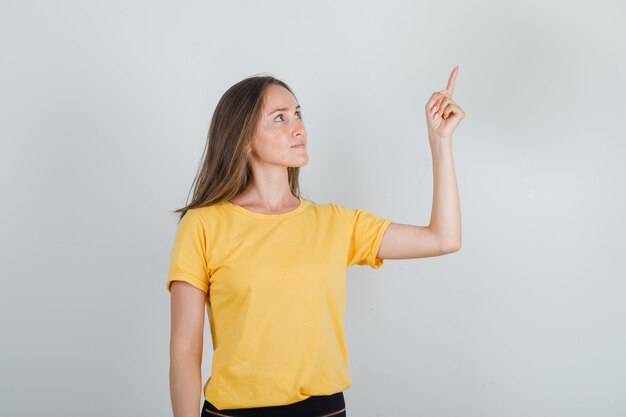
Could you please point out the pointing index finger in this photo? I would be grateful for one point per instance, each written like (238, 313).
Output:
(452, 80)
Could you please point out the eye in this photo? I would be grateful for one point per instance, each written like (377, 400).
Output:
(283, 119)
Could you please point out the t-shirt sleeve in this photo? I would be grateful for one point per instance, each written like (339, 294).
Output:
(188, 256)
(366, 235)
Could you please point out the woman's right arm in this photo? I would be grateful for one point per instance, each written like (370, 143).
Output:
(187, 330)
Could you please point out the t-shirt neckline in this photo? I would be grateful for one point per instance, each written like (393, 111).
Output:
(267, 216)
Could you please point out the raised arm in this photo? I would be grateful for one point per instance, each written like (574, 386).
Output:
(443, 234)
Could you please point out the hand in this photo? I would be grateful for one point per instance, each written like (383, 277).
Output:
(442, 113)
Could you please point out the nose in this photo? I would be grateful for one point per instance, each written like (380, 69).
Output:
(299, 128)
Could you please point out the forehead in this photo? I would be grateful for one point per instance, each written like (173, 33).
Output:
(277, 96)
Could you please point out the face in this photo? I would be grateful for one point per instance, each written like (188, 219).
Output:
(279, 131)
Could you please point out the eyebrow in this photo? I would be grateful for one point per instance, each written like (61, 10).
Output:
(283, 109)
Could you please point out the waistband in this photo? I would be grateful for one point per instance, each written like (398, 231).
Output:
(315, 406)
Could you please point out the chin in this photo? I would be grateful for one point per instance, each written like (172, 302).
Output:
(302, 161)
(300, 164)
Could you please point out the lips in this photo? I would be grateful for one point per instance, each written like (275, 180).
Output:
(300, 145)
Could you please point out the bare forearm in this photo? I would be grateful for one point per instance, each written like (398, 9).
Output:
(185, 384)
(445, 218)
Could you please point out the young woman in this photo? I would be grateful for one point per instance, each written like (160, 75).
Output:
(270, 265)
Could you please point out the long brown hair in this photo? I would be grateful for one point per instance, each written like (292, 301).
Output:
(225, 170)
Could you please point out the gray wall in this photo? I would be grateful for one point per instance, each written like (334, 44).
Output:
(105, 108)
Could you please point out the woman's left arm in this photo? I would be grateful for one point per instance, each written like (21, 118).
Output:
(443, 234)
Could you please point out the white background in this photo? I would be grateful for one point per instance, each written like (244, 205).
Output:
(105, 108)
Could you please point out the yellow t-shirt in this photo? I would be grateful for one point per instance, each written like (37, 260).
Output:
(277, 296)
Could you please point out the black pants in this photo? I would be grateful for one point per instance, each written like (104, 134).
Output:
(314, 406)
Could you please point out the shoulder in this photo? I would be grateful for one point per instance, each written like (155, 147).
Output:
(335, 213)
(331, 208)
(205, 216)
(206, 212)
